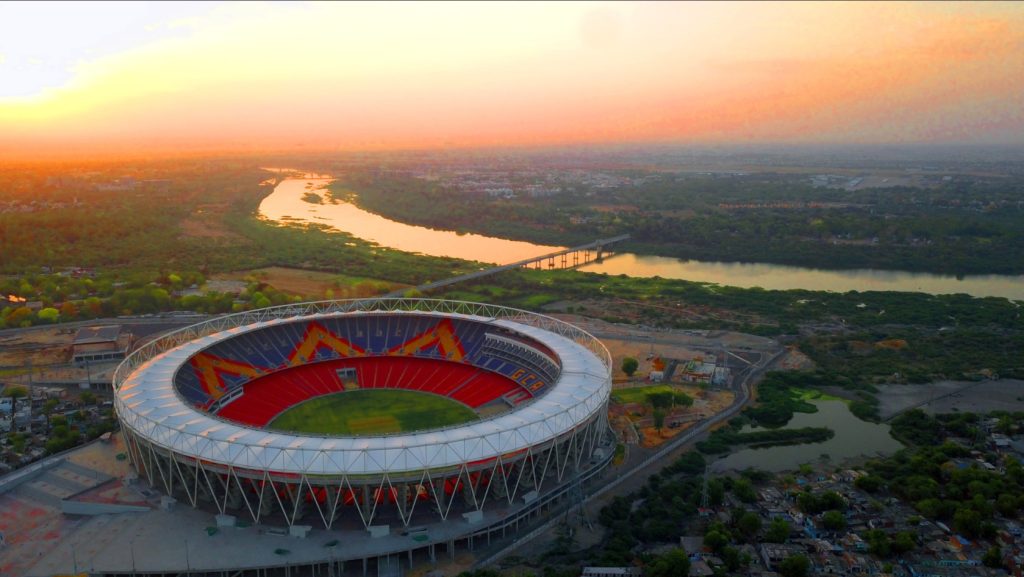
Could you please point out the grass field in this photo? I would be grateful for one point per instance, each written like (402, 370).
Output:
(373, 412)
(314, 284)
(639, 394)
(815, 395)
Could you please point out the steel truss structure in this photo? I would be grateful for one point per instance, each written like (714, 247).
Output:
(478, 470)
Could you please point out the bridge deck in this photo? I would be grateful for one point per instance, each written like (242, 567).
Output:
(595, 245)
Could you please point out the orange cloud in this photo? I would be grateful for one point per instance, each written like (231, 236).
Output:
(368, 76)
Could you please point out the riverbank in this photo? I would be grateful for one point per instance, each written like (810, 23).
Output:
(688, 221)
(345, 213)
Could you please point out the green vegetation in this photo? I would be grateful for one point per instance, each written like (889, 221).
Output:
(814, 503)
(668, 400)
(915, 427)
(939, 229)
(945, 483)
(150, 245)
(661, 506)
(641, 394)
(630, 365)
(794, 566)
(971, 348)
(778, 531)
(674, 563)
(722, 440)
(373, 412)
(778, 398)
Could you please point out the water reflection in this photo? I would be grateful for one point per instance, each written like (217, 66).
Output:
(780, 277)
(854, 438)
(285, 204)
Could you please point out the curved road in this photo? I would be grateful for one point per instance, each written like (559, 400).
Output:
(653, 462)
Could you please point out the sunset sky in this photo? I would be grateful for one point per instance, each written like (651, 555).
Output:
(92, 78)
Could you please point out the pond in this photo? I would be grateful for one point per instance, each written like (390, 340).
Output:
(853, 438)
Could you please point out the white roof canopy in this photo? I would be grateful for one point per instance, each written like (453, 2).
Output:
(148, 404)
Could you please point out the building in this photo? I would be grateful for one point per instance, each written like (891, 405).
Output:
(195, 407)
(611, 572)
(103, 344)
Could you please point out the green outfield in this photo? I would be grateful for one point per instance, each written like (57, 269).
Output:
(373, 412)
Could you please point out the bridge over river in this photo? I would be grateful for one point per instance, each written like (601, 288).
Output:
(566, 258)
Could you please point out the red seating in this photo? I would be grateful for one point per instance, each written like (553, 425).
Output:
(268, 396)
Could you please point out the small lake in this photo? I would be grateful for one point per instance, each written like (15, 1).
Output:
(286, 204)
(854, 438)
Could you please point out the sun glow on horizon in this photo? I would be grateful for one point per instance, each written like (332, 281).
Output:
(375, 75)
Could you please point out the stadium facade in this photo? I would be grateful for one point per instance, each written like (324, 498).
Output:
(196, 408)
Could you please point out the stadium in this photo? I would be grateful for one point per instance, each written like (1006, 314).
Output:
(430, 420)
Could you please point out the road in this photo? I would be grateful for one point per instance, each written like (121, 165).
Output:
(636, 475)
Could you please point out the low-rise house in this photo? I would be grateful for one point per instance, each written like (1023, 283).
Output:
(773, 553)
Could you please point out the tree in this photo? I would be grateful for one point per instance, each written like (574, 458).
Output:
(630, 365)
(48, 407)
(967, 521)
(88, 397)
(744, 490)
(778, 531)
(749, 524)
(794, 566)
(903, 541)
(682, 399)
(15, 393)
(878, 543)
(733, 559)
(68, 311)
(675, 563)
(48, 315)
(834, 520)
(993, 557)
(832, 500)
(869, 483)
(716, 538)
(659, 419)
(17, 442)
(660, 400)
(716, 492)
(19, 316)
(1008, 505)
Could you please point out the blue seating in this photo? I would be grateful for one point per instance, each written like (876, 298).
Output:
(494, 350)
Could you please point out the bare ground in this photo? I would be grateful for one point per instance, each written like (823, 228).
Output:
(953, 396)
(313, 284)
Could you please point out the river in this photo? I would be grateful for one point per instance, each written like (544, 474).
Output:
(854, 438)
(286, 204)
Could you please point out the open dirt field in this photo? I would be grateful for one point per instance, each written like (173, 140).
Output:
(38, 347)
(953, 396)
(314, 284)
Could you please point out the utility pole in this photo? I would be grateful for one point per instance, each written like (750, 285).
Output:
(705, 498)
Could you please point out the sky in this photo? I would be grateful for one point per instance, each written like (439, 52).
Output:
(84, 78)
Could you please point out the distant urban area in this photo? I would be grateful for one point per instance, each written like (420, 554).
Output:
(746, 431)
